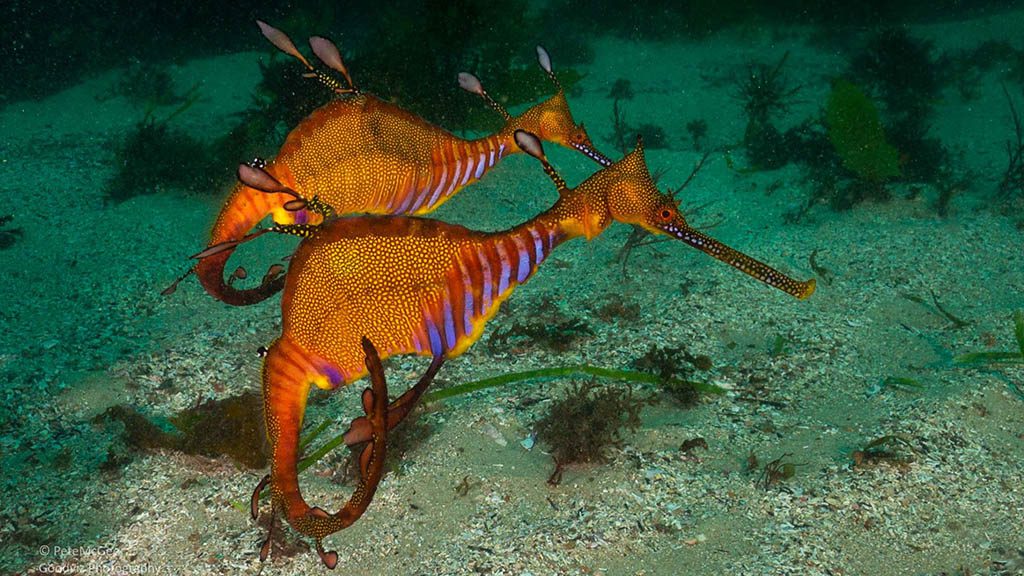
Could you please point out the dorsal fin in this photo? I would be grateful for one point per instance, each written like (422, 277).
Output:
(544, 59)
(282, 42)
(471, 83)
(259, 179)
(329, 54)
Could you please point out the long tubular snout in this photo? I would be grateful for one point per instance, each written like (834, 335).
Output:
(744, 263)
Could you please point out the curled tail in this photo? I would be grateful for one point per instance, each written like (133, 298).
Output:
(244, 209)
(288, 371)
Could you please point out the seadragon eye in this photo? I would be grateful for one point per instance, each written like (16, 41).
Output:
(666, 214)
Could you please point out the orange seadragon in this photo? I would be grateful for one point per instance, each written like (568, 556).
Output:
(360, 154)
(420, 286)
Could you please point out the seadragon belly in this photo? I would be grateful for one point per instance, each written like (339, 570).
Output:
(411, 286)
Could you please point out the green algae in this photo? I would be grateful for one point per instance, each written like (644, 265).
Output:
(856, 132)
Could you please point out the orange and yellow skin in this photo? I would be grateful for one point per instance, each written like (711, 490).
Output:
(360, 154)
(420, 286)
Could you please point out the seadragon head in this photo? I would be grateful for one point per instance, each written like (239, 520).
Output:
(550, 120)
(625, 192)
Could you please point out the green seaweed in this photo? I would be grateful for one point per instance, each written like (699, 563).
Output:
(856, 132)
(1000, 357)
(560, 372)
(906, 76)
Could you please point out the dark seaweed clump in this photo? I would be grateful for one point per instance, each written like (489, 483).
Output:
(557, 337)
(549, 328)
(583, 424)
(698, 130)
(623, 134)
(231, 427)
(156, 156)
(765, 94)
(413, 51)
(147, 84)
(1011, 187)
(676, 366)
(874, 128)
(907, 77)
(616, 308)
(8, 236)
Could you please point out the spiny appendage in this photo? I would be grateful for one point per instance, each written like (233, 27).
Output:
(287, 373)
(324, 49)
(260, 190)
(244, 209)
(360, 430)
(486, 270)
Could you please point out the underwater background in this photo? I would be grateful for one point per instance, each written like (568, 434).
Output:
(875, 428)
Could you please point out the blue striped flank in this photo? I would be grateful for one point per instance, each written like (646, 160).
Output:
(449, 323)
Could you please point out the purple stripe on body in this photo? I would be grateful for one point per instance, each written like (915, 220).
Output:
(482, 164)
(449, 323)
(506, 267)
(485, 267)
(422, 195)
(538, 245)
(469, 166)
(468, 311)
(436, 348)
(456, 174)
(524, 259)
(407, 190)
(332, 373)
(441, 181)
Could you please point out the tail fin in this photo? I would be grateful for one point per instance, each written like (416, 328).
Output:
(287, 372)
(244, 209)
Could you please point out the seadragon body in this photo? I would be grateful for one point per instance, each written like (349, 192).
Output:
(361, 154)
